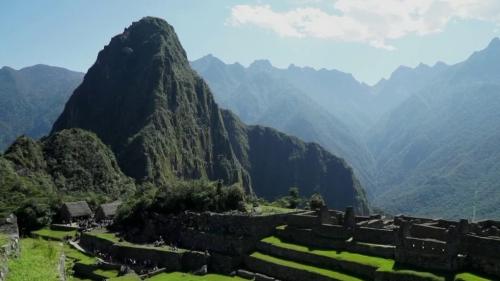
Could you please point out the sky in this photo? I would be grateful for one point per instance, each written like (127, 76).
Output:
(368, 38)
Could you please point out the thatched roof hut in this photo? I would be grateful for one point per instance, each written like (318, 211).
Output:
(107, 211)
(75, 211)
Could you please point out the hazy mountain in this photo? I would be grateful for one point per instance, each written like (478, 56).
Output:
(262, 94)
(404, 81)
(276, 161)
(31, 99)
(437, 152)
(142, 99)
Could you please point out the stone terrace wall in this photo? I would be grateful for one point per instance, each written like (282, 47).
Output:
(172, 260)
(483, 254)
(431, 232)
(9, 228)
(374, 235)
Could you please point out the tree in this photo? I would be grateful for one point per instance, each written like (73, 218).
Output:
(316, 201)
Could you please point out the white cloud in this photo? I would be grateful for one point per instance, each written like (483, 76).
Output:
(370, 21)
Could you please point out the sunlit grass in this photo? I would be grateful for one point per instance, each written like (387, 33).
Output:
(38, 261)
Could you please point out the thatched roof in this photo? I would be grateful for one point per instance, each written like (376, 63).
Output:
(109, 209)
(78, 209)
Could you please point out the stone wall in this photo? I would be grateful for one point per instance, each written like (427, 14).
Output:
(283, 272)
(161, 257)
(374, 235)
(430, 232)
(9, 228)
(365, 271)
(483, 254)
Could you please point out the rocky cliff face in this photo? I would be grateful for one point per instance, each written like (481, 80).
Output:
(159, 117)
(276, 161)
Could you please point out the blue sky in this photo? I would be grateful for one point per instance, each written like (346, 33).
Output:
(368, 38)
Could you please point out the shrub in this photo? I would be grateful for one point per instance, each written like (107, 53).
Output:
(316, 201)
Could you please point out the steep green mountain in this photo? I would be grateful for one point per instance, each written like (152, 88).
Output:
(68, 164)
(159, 117)
(31, 99)
(437, 152)
(277, 161)
(260, 95)
(142, 98)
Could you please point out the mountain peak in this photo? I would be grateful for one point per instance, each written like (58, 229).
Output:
(261, 64)
(494, 43)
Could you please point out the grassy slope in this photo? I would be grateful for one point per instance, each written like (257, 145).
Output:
(188, 277)
(115, 239)
(326, 272)
(38, 261)
(53, 234)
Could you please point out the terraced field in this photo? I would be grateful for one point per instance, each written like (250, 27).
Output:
(289, 261)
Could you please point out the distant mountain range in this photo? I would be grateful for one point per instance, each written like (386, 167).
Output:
(31, 99)
(263, 94)
(142, 113)
(422, 142)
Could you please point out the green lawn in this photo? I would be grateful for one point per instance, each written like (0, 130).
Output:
(115, 239)
(469, 277)
(175, 276)
(128, 277)
(77, 256)
(53, 234)
(38, 261)
(317, 270)
(3, 239)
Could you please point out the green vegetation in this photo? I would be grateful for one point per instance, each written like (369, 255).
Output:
(128, 277)
(38, 261)
(4, 239)
(291, 264)
(316, 201)
(174, 276)
(36, 176)
(73, 255)
(382, 264)
(53, 234)
(115, 239)
(338, 255)
(178, 196)
(469, 277)
(269, 209)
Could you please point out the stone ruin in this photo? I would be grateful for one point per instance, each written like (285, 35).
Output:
(220, 242)
(8, 228)
(442, 245)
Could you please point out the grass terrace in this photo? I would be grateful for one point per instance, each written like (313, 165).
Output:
(117, 240)
(325, 272)
(470, 277)
(175, 276)
(128, 277)
(51, 234)
(268, 209)
(38, 261)
(383, 264)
